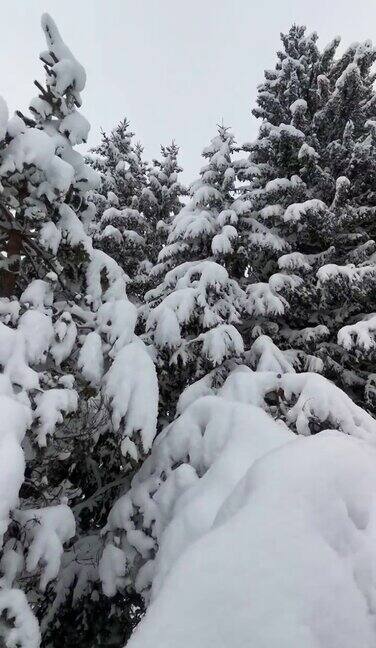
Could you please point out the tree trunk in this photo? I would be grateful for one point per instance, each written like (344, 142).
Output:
(8, 277)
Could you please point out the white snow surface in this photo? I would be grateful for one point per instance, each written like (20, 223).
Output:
(50, 405)
(131, 387)
(25, 631)
(90, 359)
(15, 419)
(67, 71)
(289, 560)
(38, 148)
(46, 531)
(193, 466)
(360, 335)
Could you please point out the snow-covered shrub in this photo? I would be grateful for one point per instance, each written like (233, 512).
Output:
(287, 561)
(175, 497)
(201, 455)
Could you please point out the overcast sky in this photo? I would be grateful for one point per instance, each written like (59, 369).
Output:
(175, 68)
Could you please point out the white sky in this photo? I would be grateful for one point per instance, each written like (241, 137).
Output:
(175, 68)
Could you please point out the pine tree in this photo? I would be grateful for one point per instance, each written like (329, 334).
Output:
(192, 313)
(201, 457)
(121, 229)
(161, 198)
(120, 164)
(309, 197)
(69, 358)
(276, 236)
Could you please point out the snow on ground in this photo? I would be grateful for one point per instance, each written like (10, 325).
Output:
(289, 561)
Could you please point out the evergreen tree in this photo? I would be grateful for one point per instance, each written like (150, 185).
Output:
(201, 458)
(161, 198)
(119, 162)
(69, 357)
(192, 313)
(121, 227)
(309, 197)
(296, 218)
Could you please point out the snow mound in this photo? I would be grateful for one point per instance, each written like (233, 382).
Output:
(174, 498)
(289, 562)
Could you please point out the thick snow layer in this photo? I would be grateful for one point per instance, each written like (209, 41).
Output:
(221, 243)
(25, 631)
(235, 437)
(67, 72)
(38, 148)
(112, 569)
(263, 301)
(289, 562)
(309, 398)
(265, 356)
(11, 563)
(37, 331)
(263, 237)
(190, 224)
(49, 407)
(76, 127)
(65, 331)
(196, 289)
(90, 359)
(349, 272)
(28, 343)
(318, 398)
(100, 262)
(9, 310)
(14, 421)
(221, 342)
(193, 466)
(117, 321)
(360, 335)
(296, 211)
(50, 237)
(40, 107)
(39, 294)
(72, 228)
(46, 531)
(131, 387)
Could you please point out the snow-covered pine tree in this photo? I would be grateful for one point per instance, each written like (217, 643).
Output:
(73, 374)
(120, 165)
(309, 202)
(202, 456)
(237, 505)
(162, 198)
(121, 227)
(206, 467)
(191, 316)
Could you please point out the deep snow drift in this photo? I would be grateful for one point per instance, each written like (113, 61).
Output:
(289, 560)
